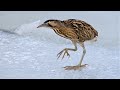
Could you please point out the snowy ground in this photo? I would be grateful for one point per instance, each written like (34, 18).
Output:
(31, 53)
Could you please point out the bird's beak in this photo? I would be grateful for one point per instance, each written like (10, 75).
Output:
(42, 25)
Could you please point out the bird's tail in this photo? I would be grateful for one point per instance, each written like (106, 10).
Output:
(94, 39)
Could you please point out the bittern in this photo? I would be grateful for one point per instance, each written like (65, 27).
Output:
(77, 31)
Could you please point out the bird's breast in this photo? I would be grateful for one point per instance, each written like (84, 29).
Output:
(66, 33)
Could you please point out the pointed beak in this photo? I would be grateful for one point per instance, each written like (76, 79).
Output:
(42, 25)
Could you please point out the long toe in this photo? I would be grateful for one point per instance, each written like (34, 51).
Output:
(65, 51)
(77, 67)
(72, 67)
(59, 54)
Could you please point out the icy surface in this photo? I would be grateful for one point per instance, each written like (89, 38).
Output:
(31, 53)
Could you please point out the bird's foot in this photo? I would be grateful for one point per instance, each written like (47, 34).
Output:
(77, 67)
(65, 52)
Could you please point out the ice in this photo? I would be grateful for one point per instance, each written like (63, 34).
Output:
(30, 52)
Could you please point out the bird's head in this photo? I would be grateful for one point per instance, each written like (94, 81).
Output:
(50, 23)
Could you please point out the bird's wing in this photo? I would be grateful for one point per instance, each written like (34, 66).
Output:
(79, 25)
(75, 25)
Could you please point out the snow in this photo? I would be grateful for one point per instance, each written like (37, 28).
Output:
(30, 52)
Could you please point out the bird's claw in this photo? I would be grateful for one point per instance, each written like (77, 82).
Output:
(60, 53)
(77, 67)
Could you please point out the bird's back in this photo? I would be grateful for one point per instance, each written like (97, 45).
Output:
(81, 29)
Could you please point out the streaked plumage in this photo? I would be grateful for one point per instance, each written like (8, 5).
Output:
(77, 31)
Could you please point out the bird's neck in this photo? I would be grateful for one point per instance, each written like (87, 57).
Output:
(60, 27)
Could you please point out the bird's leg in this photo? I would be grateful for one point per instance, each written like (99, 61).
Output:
(66, 50)
(80, 63)
(84, 52)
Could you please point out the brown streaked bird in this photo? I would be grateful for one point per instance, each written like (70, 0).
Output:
(77, 31)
